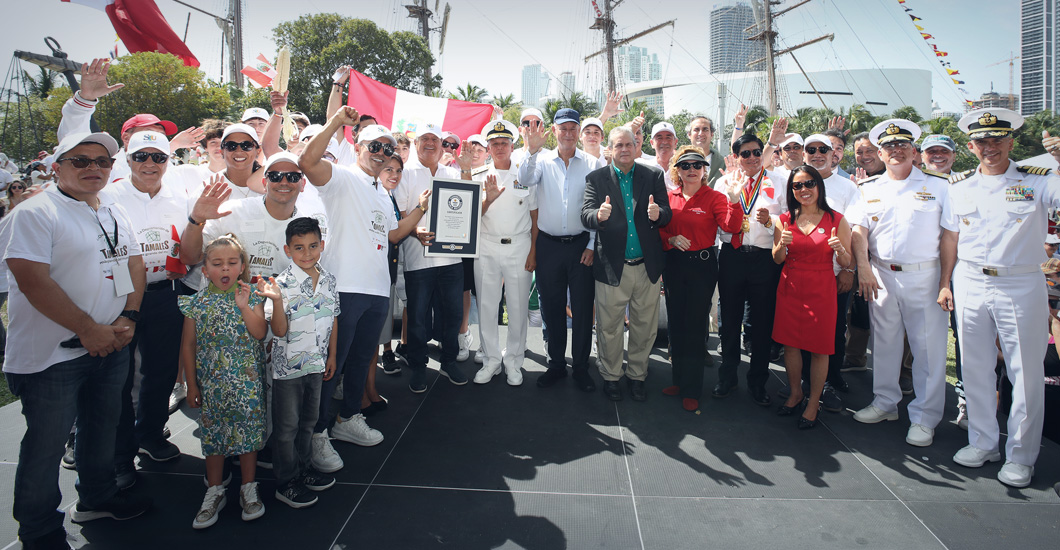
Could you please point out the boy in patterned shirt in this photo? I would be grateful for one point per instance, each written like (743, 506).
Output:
(304, 305)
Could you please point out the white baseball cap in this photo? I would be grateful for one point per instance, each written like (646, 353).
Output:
(373, 132)
(531, 111)
(477, 138)
(254, 112)
(310, 131)
(148, 140)
(662, 127)
(239, 129)
(428, 128)
(73, 140)
(282, 156)
(791, 138)
(818, 138)
(593, 121)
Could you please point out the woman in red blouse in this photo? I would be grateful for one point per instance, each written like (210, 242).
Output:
(691, 270)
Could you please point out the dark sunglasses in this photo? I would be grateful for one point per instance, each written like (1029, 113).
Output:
(244, 145)
(157, 158)
(822, 148)
(275, 177)
(83, 162)
(795, 147)
(799, 185)
(19, 187)
(388, 149)
(691, 165)
(450, 145)
(747, 154)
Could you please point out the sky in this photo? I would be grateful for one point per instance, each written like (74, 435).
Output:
(489, 42)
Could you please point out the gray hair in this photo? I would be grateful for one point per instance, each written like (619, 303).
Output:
(688, 128)
(620, 130)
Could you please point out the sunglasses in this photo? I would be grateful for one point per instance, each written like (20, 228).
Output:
(388, 149)
(83, 162)
(896, 145)
(244, 145)
(790, 148)
(19, 187)
(747, 154)
(157, 158)
(691, 165)
(799, 185)
(814, 150)
(450, 145)
(276, 177)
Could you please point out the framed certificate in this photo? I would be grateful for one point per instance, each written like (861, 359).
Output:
(454, 217)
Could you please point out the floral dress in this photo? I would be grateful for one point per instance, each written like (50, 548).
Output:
(229, 365)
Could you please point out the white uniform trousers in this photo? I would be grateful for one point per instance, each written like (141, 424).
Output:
(907, 304)
(502, 264)
(1012, 308)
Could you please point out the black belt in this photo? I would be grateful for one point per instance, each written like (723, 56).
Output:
(704, 254)
(635, 261)
(161, 285)
(564, 239)
(747, 248)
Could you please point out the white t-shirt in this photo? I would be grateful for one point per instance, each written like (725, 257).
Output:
(153, 219)
(6, 178)
(361, 217)
(261, 235)
(68, 235)
(415, 179)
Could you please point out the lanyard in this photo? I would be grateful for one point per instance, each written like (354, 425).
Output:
(113, 246)
(748, 202)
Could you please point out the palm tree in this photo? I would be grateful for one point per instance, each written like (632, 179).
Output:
(907, 113)
(42, 85)
(470, 92)
(581, 103)
(504, 101)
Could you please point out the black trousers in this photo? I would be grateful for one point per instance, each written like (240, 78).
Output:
(746, 274)
(559, 270)
(689, 279)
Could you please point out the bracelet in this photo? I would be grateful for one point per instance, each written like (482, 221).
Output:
(336, 84)
(737, 128)
(849, 270)
(420, 206)
(193, 222)
(771, 144)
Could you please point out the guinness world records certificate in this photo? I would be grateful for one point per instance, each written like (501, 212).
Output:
(454, 217)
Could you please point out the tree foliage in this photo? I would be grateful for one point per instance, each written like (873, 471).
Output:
(471, 93)
(505, 101)
(321, 43)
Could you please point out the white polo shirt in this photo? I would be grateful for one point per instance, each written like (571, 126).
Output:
(153, 220)
(509, 215)
(902, 217)
(68, 235)
(415, 179)
(361, 217)
(840, 193)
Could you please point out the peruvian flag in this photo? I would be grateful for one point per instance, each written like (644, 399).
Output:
(402, 111)
(142, 28)
(173, 263)
(262, 73)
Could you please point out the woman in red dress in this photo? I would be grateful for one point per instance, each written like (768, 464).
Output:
(813, 234)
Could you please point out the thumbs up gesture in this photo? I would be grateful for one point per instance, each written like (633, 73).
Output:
(786, 236)
(604, 213)
(653, 209)
(836, 244)
(1051, 143)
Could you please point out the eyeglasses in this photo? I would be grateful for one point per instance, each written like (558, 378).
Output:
(747, 154)
(450, 145)
(819, 149)
(157, 158)
(244, 145)
(794, 147)
(797, 185)
(276, 177)
(691, 165)
(890, 146)
(18, 187)
(83, 162)
(388, 149)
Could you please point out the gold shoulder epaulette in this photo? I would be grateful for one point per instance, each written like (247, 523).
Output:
(958, 176)
(480, 170)
(1036, 170)
(870, 178)
(936, 174)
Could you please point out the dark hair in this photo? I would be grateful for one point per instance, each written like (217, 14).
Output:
(302, 226)
(212, 128)
(744, 140)
(838, 134)
(367, 117)
(793, 205)
(861, 136)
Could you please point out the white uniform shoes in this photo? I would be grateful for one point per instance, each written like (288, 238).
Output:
(485, 374)
(920, 435)
(1015, 475)
(974, 457)
(872, 415)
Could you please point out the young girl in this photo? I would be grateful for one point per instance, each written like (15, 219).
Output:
(223, 356)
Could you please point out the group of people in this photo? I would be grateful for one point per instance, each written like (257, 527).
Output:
(263, 281)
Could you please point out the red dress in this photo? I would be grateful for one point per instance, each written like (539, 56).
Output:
(806, 297)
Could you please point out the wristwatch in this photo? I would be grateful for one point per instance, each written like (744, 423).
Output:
(131, 314)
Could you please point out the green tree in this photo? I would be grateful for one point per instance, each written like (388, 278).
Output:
(680, 122)
(505, 101)
(245, 98)
(24, 128)
(907, 113)
(470, 92)
(1029, 136)
(321, 43)
(42, 84)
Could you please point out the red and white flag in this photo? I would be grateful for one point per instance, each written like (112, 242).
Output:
(262, 73)
(402, 111)
(173, 263)
(141, 27)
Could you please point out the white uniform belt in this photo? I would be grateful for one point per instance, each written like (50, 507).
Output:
(1003, 271)
(506, 240)
(905, 267)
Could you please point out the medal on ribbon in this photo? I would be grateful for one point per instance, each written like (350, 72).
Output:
(748, 199)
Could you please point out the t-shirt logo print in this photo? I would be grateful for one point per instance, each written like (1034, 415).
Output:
(455, 202)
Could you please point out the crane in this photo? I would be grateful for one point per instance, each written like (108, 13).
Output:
(1011, 72)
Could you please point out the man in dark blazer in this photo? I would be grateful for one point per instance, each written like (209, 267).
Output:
(620, 204)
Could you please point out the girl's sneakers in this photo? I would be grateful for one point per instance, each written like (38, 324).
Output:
(253, 508)
(213, 503)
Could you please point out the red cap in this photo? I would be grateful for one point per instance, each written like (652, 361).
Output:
(141, 120)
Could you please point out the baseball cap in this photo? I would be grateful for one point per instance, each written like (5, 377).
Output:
(939, 140)
(429, 128)
(310, 131)
(283, 156)
(567, 114)
(593, 121)
(531, 112)
(73, 140)
(790, 138)
(239, 129)
(447, 135)
(148, 140)
(142, 120)
(373, 132)
(477, 138)
(662, 127)
(255, 112)
(818, 138)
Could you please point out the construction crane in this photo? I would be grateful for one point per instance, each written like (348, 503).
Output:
(1011, 75)
(606, 24)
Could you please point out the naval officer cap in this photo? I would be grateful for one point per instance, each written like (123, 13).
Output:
(894, 130)
(500, 129)
(990, 123)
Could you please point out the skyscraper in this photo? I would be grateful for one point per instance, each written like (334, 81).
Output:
(1040, 56)
(565, 86)
(633, 64)
(730, 51)
(535, 84)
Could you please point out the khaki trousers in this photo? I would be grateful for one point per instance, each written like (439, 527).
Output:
(642, 296)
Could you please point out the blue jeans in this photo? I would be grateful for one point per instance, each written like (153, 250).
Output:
(86, 388)
(445, 285)
(295, 407)
(361, 318)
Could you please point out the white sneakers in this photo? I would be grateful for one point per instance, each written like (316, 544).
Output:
(464, 340)
(920, 435)
(973, 457)
(324, 457)
(1015, 475)
(355, 430)
(485, 374)
(872, 415)
(250, 501)
(962, 416)
(180, 391)
(213, 502)
(480, 357)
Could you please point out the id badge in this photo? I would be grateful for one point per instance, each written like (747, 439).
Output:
(123, 284)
